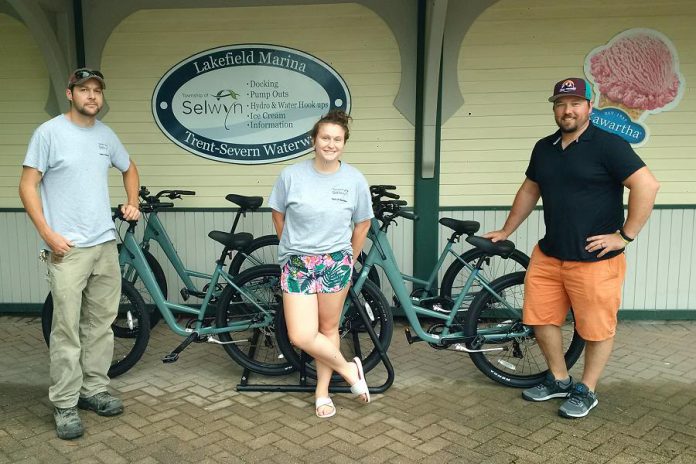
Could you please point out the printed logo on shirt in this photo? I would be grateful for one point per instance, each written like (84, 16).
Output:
(103, 149)
(339, 194)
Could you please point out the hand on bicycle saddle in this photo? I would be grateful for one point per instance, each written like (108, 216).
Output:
(496, 235)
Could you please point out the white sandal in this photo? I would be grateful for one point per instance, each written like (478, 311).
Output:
(324, 401)
(360, 387)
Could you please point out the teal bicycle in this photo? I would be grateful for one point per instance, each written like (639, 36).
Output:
(490, 330)
(237, 312)
(258, 251)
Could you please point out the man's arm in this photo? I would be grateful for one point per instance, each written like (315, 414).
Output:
(643, 188)
(526, 199)
(131, 182)
(29, 194)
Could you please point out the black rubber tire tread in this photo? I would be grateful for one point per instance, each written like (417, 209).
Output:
(353, 325)
(161, 280)
(238, 262)
(472, 256)
(268, 359)
(480, 313)
(140, 335)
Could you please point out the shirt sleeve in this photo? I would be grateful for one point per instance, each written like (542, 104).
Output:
(278, 198)
(119, 156)
(37, 152)
(363, 204)
(531, 168)
(620, 159)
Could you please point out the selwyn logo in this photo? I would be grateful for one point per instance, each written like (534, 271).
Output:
(249, 103)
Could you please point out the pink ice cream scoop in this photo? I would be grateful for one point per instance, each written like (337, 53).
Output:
(637, 71)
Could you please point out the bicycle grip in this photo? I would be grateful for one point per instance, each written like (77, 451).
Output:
(407, 215)
(185, 192)
(390, 195)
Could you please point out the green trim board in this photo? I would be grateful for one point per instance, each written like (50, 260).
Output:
(34, 309)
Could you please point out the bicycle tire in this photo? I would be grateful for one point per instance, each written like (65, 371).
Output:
(521, 363)
(131, 332)
(137, 282)
(495, 266)
(255, 349)
(351, 329)
(264, 250)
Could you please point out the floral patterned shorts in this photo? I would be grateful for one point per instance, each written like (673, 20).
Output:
(309, 274)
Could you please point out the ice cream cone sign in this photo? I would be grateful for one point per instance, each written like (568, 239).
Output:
(634, 75)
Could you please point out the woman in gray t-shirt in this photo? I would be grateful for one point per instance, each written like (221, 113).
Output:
(321, 212)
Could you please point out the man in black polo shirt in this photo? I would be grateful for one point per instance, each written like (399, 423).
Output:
(580, 173)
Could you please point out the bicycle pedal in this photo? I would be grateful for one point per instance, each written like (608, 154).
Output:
(411, 339)
(170, 358)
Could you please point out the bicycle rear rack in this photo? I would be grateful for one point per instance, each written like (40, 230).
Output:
(304, 387)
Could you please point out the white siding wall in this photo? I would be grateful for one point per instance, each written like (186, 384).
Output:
(659, 274)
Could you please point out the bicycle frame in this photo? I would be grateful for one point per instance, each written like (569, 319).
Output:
(154, 230)
(382, 255)
(132, 254)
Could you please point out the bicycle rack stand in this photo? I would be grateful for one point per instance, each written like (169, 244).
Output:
(304, 387)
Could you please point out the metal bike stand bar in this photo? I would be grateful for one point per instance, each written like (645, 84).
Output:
(304, 387)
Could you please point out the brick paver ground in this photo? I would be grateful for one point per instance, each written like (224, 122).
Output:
(440, 409)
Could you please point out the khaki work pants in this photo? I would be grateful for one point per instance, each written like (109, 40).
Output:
(86, 288)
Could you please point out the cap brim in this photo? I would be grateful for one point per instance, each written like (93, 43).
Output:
(82, 81)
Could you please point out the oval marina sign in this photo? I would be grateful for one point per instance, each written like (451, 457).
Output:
(249, 103)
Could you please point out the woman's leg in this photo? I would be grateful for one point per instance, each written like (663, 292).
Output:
(302, 319)
(330, 305)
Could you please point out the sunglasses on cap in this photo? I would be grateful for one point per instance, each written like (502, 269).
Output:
(85, 73)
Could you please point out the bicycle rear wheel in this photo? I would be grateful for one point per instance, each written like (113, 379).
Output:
(131, 329)
(493, 267)
(520, 363)
(254, 348)
(355, 340)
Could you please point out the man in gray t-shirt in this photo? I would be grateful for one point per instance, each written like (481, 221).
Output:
(68, 160)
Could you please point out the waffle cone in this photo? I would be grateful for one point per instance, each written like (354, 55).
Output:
(633, 113)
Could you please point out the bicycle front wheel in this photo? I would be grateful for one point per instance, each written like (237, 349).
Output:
(131, 329)
(518, 360)
(355, 340)
(457, 273)
(254, 348)
(131, 275)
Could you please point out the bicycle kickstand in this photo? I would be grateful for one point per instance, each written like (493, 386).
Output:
(174, 355)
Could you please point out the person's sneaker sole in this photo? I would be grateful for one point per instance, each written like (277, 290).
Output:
(577, 416)
(84, 405)
(546, 398)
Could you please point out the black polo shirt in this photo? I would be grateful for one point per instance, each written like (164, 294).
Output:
(582, 190)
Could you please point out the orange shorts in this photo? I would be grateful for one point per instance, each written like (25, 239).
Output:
(593, 289)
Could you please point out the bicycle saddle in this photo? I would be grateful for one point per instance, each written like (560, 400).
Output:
(461, 227)
(245, 202)
(503, 248)
(232, 241)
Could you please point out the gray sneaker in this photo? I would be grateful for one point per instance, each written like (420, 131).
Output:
(68, 423)
(102, 403)
(580, 402)
(549, 388)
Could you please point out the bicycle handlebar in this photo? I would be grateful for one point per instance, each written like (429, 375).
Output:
(144, 194)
